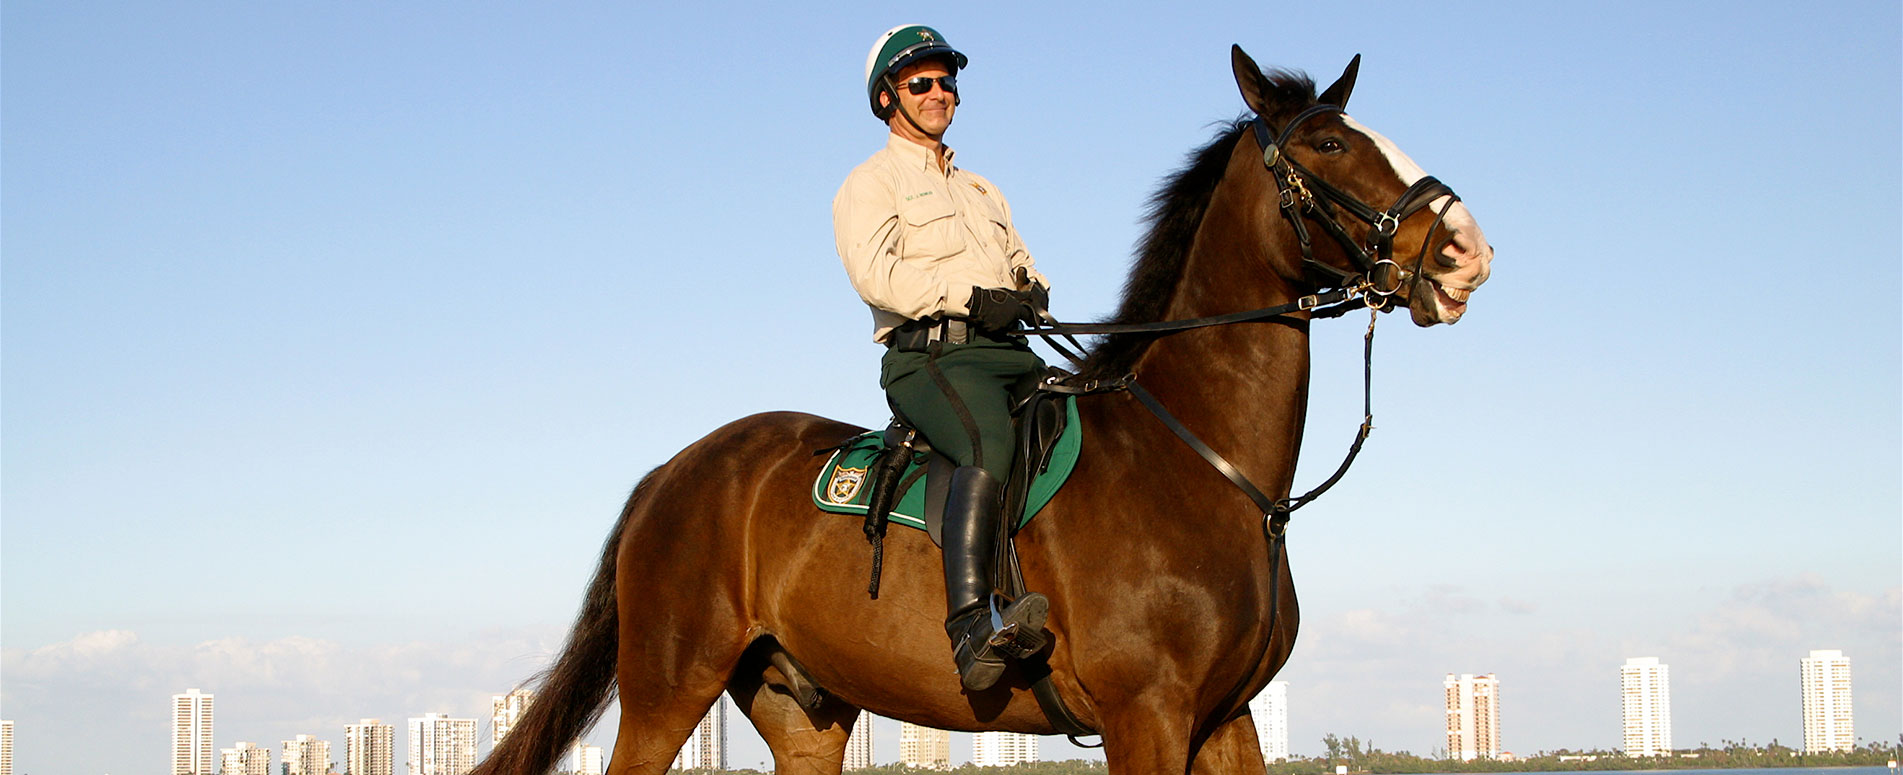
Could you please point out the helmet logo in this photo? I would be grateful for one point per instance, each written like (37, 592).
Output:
(925, 35)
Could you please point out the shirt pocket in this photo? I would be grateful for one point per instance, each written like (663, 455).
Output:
(932, 232)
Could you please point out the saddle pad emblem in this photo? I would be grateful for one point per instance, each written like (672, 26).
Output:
(845, 484)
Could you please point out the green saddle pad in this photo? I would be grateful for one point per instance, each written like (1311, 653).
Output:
(841, 487)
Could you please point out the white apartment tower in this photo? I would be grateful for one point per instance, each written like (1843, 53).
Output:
(706, 749)
(369, 748)
(246, 759)
(1473, 716)
(306, 755)
(440, 745)
(505, 710)
(6, 748)
(582, 759)
(859, 745)
(1003, 749)
(924, 748)
(1828, 725)
(1270, 711)
(1645, 701)
(191, 734)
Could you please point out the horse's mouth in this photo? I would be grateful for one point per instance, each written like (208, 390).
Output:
(1447, 304)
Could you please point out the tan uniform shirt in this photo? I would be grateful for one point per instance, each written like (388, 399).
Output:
(915, 239)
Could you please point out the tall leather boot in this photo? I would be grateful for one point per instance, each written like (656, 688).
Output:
(981, 635)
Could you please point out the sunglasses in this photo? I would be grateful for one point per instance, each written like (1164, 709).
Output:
(922, 84)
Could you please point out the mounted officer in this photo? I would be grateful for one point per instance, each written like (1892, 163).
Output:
(930, 248)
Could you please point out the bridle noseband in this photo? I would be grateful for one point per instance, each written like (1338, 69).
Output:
(1306, 196)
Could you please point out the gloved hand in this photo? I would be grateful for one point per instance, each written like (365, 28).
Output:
(997, 309)
(1039, 298)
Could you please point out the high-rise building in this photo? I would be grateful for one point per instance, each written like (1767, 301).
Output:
(1270, 711)
(306, 755)
(859, 745)
(582, 759)
(1828, 724)
(6, 748)
(505, 710)
(191, 734)
(440, 745)
(1002, 749)
(369, 748)
(245, 759)
(1645, 699)
(1473, 716)
(706, 749)
(924, 748)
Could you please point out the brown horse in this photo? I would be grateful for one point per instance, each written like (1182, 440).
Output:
(1165, 610)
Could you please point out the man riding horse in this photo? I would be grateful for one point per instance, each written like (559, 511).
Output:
(930, 248)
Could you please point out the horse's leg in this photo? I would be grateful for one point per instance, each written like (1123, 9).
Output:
(1146, 738)
(1233, 749)
(679, 599)
(804, 742)
(656, 719)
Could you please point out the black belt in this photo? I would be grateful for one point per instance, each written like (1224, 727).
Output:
(919, 335)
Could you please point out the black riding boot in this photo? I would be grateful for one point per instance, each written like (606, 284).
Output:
(981, 635)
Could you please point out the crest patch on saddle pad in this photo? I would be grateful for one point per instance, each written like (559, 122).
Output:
(844, 484)
(840, 487)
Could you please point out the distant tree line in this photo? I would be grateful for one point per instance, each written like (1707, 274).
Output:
(1361, 756)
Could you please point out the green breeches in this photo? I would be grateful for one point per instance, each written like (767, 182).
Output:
(960, 397)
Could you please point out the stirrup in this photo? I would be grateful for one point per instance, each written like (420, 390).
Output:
(985, 642)
(1024, 635)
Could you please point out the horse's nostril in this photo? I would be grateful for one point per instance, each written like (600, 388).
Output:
(1449, 255)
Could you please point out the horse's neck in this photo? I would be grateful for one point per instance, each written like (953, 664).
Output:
(1242, 388)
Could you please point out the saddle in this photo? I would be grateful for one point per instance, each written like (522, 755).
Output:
(877, 474)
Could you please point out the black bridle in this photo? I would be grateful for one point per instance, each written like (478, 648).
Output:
(1306, 196)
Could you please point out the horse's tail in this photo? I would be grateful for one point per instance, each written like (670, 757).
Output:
(573, 692)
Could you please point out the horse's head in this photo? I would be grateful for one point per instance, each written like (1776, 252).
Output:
(1376, 214)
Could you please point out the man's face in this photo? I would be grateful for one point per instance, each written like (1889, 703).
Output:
(932, 110)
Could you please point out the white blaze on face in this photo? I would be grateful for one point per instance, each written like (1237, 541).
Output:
(1468, 249)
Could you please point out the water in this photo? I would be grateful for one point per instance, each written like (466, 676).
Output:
(1872, 770)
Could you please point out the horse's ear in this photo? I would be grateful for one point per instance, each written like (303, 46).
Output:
(1337, 95)
(1255, 88)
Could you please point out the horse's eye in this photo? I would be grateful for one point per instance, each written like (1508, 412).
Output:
(1331, 146)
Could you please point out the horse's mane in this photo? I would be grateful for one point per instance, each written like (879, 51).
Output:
(1175, 215)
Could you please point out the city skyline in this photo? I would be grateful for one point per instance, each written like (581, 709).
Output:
(1472, 723)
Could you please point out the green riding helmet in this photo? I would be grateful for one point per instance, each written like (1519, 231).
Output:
(898, 47)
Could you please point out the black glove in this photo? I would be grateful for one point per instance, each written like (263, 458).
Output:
(1039, 299)
(997, 310)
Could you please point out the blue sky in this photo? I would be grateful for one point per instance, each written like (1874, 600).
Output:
(335, 335)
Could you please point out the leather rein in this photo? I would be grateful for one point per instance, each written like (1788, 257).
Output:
(1304, 196)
